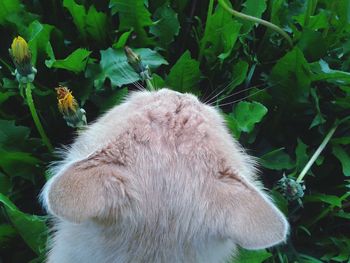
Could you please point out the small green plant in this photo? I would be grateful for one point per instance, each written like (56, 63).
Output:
(277, 70)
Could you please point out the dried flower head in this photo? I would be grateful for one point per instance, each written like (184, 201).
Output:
(66, 101)
(68, 106)
(21, 57)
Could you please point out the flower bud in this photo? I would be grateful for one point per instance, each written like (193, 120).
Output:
(135, 62)
(21, 57)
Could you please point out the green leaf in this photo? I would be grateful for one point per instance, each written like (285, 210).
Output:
(221, 34)
(92, 22)
(328, 199)
(115, 99)
(301, 155)
(78, 13)
(18, 164)
(185, 74)
(132, 14)
(115, 67)
(167, 25)
(122, 40)
(96, 25)
(75, 62)
(276, 160)
(239, 74)
(8, 7)
(324, 73)
(291, 78)
(247, 114)
(6, 232)
(5, 95)
(250, 256)
(12, 136)
(39, 37)
(232, 124)
(343, 157)
(31, 228)
(253, 8)
(5, 184)
(342, 140)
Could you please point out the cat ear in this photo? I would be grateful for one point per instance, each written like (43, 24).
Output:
(83, 191)
(254, 222)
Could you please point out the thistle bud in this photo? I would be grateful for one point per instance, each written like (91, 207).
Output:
(21, 57)
(74, 115)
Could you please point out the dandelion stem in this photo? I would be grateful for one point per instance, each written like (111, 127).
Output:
(316, 154)
(256, 20)
(35, 117)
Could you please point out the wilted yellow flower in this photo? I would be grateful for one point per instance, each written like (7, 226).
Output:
(20, 51)
(74, 115)
(66, 101)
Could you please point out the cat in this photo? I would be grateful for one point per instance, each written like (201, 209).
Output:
(158, 179)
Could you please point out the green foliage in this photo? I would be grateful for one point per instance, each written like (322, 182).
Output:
(281, 102)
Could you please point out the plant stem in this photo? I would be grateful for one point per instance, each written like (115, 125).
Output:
(256, 20)
(316, 154)
(35, 117)
(203, 43)
(150, 85)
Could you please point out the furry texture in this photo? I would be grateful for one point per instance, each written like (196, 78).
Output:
(158, 179)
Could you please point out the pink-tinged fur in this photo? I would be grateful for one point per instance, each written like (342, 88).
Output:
(158, 179)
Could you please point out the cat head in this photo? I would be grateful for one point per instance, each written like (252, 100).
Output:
(164, 163)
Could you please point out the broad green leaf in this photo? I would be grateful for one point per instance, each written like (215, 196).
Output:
(6, 232)
(247, 114)
(291, 78)
(157, 81)
(329, 199)
(122, 40)
(75, 62)
(5, 95)
(343, 157)
(257, 256)
(91, 22)
(5, 183)
(39, 37)
(78, 13)
(239, 74)
(133, 14)
(232, 125)
(324, 73)
(12, 136)
(221, 34)
(32, 228)
(167, 25)
(115, 67)
(8, 7)
(185, 74)
(96, 25)
(319, 119)
(342, 140)
(253, 8)
(276, 160)
(116, 98)
(18, 164)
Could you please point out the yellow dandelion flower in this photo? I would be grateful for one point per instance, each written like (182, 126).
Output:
(20, 51)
